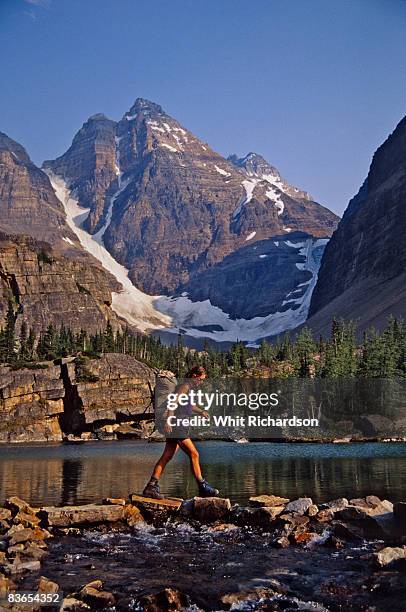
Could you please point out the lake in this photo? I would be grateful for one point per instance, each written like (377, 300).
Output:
(60, 474)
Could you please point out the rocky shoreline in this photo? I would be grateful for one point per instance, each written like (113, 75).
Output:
(364, 538)
(81, 399)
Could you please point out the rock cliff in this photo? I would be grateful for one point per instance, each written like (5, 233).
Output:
(362, 275)
(49, 402)
(28, 204)
(47, 287)
(89, 165)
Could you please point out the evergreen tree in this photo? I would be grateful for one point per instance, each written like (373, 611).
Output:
(9, 341)
(109, 340)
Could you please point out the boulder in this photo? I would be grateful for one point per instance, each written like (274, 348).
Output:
(325, 516)
(18, 566)
(25, 519)
(264, 517)
(348, 531)
(210, 509)
(335, 504)
(5, 514)
(312, 510)
(169, 600)
(267, 501)
(299, 506)
(72, 604)
(372, 515)
(391, 557)
(90, 514)
(32, 551)
(234, 600)
(15, 504)
(133, 515)
(47, 586)
(95, 597)
(27, 534)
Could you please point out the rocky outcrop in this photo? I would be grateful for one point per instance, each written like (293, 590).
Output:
(49, 288)
(28, 204)
(362, 275)
(89, 167)
(49, 402)
(115, 388)
(31, 403)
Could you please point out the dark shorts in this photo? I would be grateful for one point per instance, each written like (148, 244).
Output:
(179, 433)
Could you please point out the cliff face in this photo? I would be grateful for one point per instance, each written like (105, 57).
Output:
(362, 274)
(89, 166)
(28, 204)
(31, 402)
(49, 288)
(77, 396)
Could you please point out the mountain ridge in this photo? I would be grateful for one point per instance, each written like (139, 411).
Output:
(366, 253)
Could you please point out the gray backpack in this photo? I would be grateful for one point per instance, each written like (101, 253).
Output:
(165, 383)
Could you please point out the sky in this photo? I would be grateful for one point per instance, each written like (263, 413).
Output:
(315, 86)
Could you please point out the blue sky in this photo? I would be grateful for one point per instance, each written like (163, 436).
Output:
(313, 85)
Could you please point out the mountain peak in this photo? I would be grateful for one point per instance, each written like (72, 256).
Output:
(257, 168)
(99, 117)
(254, 165)
(8, 144)
(141, 105)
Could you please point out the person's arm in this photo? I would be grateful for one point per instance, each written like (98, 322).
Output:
(203, 413)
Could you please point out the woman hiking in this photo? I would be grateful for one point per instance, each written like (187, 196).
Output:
(182, 440)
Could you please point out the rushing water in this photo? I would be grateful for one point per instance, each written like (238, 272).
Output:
(73, 474)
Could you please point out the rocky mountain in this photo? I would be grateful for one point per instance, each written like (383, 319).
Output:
(175, 215)
(46, 287)
(44, 266)
(90, 167)
(362, 275)
(27, 200)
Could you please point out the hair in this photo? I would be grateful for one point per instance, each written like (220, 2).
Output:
(195, 371)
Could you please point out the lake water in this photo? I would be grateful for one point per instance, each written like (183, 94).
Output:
(76, 474)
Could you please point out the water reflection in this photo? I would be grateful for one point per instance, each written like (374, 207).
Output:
(87, 473)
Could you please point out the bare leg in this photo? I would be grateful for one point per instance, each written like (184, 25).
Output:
(170, 449)
(190, 449)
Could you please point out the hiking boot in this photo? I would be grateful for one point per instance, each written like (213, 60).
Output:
(206, 490)
(152, 490)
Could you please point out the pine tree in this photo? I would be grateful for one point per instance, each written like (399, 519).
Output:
(109, 339)
(10, 350)
(23, 354)
(304, 351)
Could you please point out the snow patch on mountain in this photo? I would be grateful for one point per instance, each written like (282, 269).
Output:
(275, 197)
(221, 171)
(249, 187)
(163, 144)
(188, 315)
(130, 303)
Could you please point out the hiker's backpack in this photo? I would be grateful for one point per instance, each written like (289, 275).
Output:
(165, 383)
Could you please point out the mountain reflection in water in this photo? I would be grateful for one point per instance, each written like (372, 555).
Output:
(70, 474)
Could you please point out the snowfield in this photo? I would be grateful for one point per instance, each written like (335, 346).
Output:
(148, 313)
